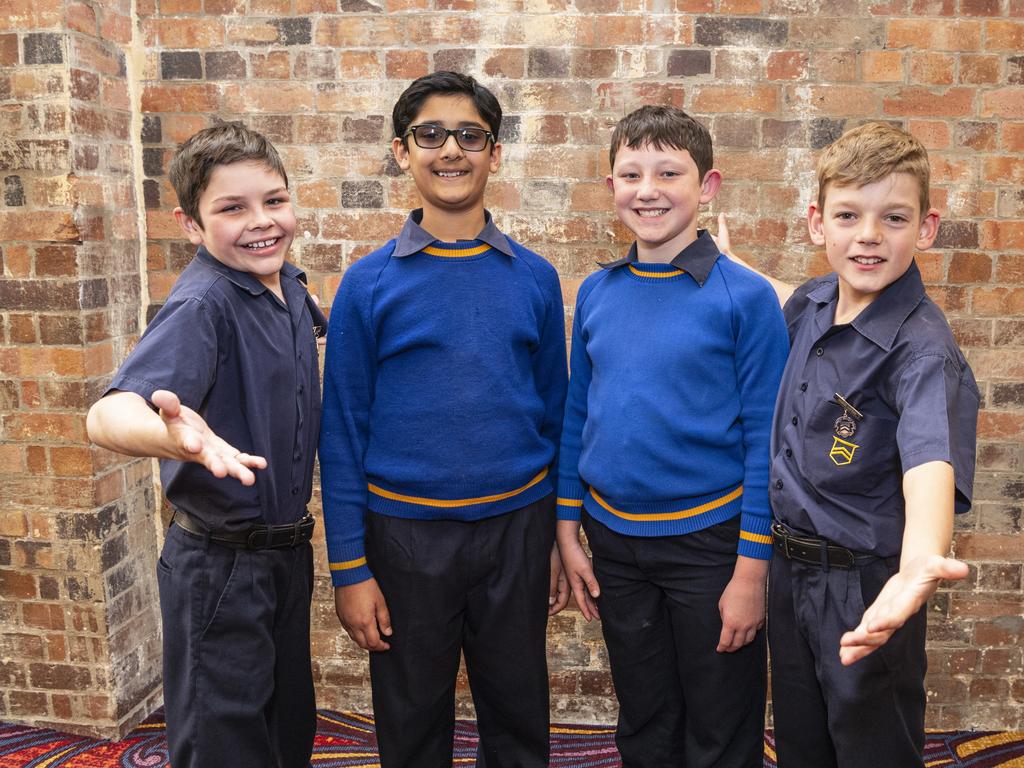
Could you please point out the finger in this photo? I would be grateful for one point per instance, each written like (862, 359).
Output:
(251, 461)
(384, 619)
(582, 599)
(726, 641)
(724, 243)
(593, 588)
(167, 402)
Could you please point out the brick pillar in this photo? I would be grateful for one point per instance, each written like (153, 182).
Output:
(79, 628)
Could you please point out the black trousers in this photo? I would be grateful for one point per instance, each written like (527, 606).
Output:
(479, 587)
(238, 684)
(868, 715)
(682, 704)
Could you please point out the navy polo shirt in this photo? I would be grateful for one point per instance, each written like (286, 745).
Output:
(898, 365)
(248, 363)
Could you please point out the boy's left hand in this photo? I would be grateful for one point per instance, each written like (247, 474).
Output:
(558, 592)
(900, 598)
(742, 604)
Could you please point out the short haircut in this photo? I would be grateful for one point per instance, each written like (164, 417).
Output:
(662, 127)
(223, 144)
(444, 83)
(870, 153)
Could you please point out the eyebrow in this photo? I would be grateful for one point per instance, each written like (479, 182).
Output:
(230, 198)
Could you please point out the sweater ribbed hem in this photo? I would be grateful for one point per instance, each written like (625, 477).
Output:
(665, 518)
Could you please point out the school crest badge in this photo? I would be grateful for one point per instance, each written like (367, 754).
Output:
(842, 451)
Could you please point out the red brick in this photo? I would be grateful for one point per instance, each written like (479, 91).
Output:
(1013, 137)
(787, 65)
(1004, 102)
(205, 32)
(882, 66)
(934, 34)
(180, 97)
(919, 101)
(35, 15)
(932, 68)
(834, 66)
(845, 100)
(736, 98)
(979, 69)
(406, 65)
(1002, 235)
(1004, 35)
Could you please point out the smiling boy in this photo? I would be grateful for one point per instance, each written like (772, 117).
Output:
(676, 358)
(443, 391)
(224, 381)
(873, 446)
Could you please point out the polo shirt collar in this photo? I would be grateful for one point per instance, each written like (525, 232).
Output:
(413, 238)
(696, 259)
(880, 321)
(245, 280)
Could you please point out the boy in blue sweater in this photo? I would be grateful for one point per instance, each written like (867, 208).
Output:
(675, 363)
(444, 384)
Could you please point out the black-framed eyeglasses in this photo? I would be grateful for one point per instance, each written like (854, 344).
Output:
(429, 136)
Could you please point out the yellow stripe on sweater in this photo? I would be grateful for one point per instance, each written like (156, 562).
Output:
(348, 564)
(645, 273)
(757, 538)
(449, 503)
(455, 252)
(678, 515)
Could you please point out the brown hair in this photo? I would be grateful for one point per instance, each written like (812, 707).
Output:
(662, 127)
(223, 144)
(869, 153)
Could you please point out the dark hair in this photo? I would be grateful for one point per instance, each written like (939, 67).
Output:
(223, 144)
(411, 101)
(662, 127)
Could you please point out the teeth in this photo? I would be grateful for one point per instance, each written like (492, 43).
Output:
(649, 213)
(867, 260)
(261, 244)
(450, 174)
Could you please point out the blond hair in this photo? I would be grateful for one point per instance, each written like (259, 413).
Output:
(869, 153)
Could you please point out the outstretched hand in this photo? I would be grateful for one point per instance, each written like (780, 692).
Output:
(191, 439)
(900, 598)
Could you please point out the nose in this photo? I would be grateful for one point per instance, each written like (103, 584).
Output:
(451, 148)
(647, 189)
(260, 218)
(869, 230)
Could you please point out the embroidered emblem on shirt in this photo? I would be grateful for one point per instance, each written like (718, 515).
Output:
(842, 451)
(845, 425)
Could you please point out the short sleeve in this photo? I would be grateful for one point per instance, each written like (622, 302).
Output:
(938, 401)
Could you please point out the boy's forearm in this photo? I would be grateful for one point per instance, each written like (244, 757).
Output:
(929, 492)
(125, 423)
(751, 570)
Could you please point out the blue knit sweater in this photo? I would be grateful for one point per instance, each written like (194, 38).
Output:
(671, 392)
(444, 382)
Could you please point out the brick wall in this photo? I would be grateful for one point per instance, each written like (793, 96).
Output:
(775, 80)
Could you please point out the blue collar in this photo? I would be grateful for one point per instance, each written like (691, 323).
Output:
(413, 238)
(881, 320)
(696, 259)
(246, 280)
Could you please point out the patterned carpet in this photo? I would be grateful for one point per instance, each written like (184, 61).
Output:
(346, 740)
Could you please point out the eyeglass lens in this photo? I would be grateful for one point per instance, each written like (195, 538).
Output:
(434, 136)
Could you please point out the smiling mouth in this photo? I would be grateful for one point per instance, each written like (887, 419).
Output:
(868, 261)
(261, 244)
(650, 213)
(450, 174)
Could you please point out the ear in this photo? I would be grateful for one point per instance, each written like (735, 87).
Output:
(189, 226)
(609, 181)
(928, 230)
(710, 185)
(401, 153)
(495, 156)
(815, 225)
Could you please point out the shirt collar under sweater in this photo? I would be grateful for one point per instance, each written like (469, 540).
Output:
(413, 238)
(696, 259)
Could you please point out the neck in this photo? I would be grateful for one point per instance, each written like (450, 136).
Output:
(273, 284)
(663, 253)
(450, 226)
(848, 307)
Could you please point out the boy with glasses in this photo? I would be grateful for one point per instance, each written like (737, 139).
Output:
(444, 383)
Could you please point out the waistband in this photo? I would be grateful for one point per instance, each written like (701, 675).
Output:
(814, 550)
(254, 537)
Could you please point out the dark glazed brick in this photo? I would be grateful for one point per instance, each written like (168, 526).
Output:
(151, 311)
(1015, 70)
(293, 31)
(153, 161)
(547, 62)
(362, 129)
(362, 194)
(733, 131)
(43, 48)
(84, 85)
(359, 6)
(511, 129)
(689, 63)
(957, 234)
(825, 130)
(716, 31)
(87, 158)
(1007, 395)
(181, 65)
(277, 128)
(152, 130)
(224, 65)
(455, 60)
(151, 193)
(14, 192)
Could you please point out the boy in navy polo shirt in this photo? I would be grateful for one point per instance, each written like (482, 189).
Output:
(225, 381)
(443, 390)
(873, 447)
(676, 358)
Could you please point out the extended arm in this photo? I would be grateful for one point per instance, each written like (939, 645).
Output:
(124, 422)
(782, 290)
(927, 534)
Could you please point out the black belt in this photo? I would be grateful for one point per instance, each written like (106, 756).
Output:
(254, 537)
(814, 551)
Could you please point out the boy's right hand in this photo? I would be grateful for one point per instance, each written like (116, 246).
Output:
(364, 614)
(191, 439)
(578, 568)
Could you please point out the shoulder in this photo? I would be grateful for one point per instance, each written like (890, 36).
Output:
(743, 283)
(926, 332)
(591, 282)
(541, 268)
(800, 300)
(365, 272)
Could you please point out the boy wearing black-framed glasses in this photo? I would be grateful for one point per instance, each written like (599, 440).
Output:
(445, 378)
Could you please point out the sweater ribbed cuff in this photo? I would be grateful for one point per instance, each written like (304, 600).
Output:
(348, 566)
(570, 499)
(755, 537)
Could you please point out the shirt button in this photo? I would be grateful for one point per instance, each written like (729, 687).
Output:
(300, 389)
(778, 484)
(819, 351)
(803, 387)
(789, 453)
(795, 420)
(295, 491)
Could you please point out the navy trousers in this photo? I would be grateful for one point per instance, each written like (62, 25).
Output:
(868, 715)
(238, 684)
(476, 587)
(682, 704)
